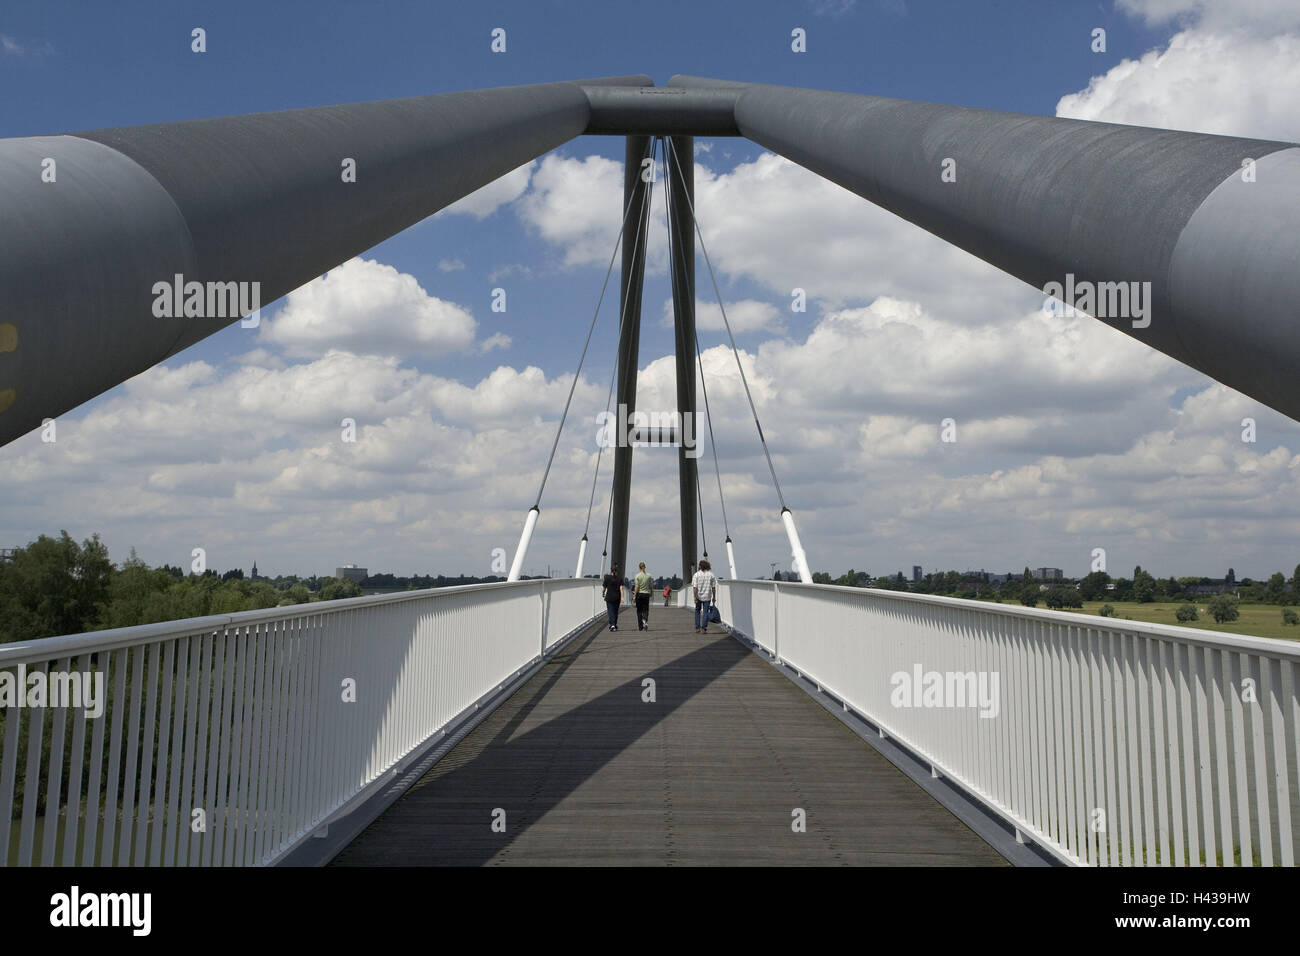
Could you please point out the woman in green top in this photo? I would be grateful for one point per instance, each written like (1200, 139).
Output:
(643, 585)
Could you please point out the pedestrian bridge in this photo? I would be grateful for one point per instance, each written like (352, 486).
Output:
(499, 723)
(503, 723)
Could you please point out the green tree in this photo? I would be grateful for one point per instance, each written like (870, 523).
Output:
(135, 594)
(53, 586)
(333, 589)
(851, 579)
(822, 577)
(1275, 589)
(1093, 586)
(297, 594)
(1144, 586)
(1107, 610)
(1186, 612)
(1289, 616)
(1224, 608)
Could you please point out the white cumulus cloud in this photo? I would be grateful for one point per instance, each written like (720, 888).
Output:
(365, 306)
(486, 200)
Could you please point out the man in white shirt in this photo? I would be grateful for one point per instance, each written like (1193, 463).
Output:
(704, 586)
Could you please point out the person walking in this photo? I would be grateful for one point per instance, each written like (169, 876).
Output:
(704, 585)
(613, 585)
(643, 585)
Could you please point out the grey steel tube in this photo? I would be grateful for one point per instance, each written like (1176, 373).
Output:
(635, 194)
(241, 199)
(651, 110)
(681, 257)
(1045, 198)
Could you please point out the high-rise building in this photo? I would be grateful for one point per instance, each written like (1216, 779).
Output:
(1049, 574)
(352, 573)
(916, 573)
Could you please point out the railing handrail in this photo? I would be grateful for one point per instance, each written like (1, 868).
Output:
(68, 645)
(1115, 742)
(274, 722)
(1272, 646)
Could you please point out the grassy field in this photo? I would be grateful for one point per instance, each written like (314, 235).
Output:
(1257, 620)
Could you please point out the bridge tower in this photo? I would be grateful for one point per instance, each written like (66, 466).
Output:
(680, 163)
(679, 167)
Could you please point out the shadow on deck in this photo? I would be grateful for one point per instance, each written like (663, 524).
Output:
(588, 772)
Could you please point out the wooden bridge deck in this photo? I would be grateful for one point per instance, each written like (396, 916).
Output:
(707, 774)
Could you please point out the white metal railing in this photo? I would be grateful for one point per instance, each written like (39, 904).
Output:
(1113, 743)
(228, 740)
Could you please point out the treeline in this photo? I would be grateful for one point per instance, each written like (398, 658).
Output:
(976, 586)
(1143, 587)
(56, 586)
(417, 582)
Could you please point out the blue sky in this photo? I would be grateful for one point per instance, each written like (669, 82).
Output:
(875, 491)
(131, 63)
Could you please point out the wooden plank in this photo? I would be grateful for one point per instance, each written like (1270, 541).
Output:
(711, 772)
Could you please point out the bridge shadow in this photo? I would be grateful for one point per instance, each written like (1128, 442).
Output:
(563, 737)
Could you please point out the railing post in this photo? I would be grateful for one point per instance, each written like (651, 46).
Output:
(776, 647)
(542, 628)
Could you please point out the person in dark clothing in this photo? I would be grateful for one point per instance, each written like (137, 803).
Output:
(613, 585)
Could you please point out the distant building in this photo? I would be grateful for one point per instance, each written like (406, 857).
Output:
(916, 574)
(254, 576)
(351, 572)
(1048, 574)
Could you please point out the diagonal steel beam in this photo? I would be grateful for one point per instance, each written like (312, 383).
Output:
(259, 198)
(1047, 199)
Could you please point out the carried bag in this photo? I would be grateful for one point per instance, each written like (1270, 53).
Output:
(714, 616)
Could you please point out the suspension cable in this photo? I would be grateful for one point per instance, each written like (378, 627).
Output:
(699, 500)
(604, 548)
(708, 417)
(608, 271)
(735, 351)
(600, 450)
(713, 444)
